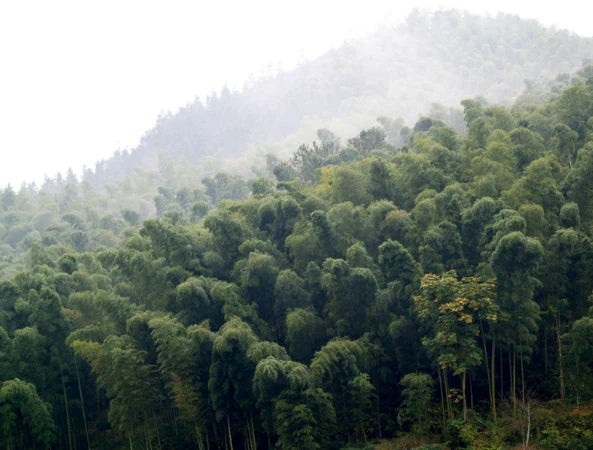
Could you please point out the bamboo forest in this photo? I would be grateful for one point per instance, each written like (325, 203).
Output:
(424, 284)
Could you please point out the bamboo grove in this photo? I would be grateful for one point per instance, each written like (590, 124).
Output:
(360, 291)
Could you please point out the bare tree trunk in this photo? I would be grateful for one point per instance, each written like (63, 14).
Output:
(379, 417)
(253, 432)
(447, 398)
(501, 373)
(545, 352)
(490, 378)
(147, 432)
(86, 428)
(67, 408)
(463, 374)
(560, 362)
(514, 382)
(522, 379)
(442, 396)
(527, 434)
(198, 436)
(471, 392)
(228, 425)
(158, 434)
(493, 379)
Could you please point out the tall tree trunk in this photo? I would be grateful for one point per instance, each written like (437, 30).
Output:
(493, 378)
(471, 392)
(501, 372)
(379, 417)
(447, 398)
(560, 362)
(68, 427)
(528, 426)
(147, 431)
(514, 382)
(490, 378)
(464, 396)
(86, 428)
(215, 430)
(158, 434)
(198, 436)
(253, 440)
(228, 425)
(442, 396)
(545, 351)
(522, 379)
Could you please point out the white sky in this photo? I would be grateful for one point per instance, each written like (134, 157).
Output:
(80, 79)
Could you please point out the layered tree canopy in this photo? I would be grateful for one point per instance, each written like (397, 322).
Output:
(437, 283)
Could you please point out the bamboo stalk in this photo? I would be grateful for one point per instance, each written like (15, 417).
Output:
(66, 405)
(86, 429)
(228, 424)
(463, 375)
(441, 391)
(493, 379)
(560, 362)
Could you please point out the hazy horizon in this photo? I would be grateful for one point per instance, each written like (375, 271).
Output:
(82, 81)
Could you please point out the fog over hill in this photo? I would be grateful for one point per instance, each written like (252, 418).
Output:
(396, 72)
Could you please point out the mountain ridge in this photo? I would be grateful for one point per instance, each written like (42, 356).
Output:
(398, 71)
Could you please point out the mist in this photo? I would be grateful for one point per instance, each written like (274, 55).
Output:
(295, 227)
(84, 81)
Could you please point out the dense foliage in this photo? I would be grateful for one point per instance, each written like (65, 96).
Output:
(418, 281)
(431, 61)
(370, 290)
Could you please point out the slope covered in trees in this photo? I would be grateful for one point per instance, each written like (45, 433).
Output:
(395, 72)
(192, 159)
(438, 288)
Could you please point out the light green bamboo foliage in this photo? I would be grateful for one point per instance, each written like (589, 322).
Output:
(292, 407)
(130, 384)
(184, 356)
(231, 373)
(579, 360)
(417, 393)
(305, 333)
(25, 419)
(338, 369)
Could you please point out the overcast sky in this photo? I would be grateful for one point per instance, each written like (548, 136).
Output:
(80, 79)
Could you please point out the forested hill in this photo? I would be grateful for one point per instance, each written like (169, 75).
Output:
(395, 72)
(436, 292)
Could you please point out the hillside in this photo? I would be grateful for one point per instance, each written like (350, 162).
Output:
(439, 291)
(396, 72)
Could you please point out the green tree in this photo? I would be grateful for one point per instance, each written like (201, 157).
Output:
(579, 362)
(25, 420)
(289, 293)
(579, 185)
(231, 372)
(453, 310)
(305, 333)
(184, 356)
(129, 381)
(350, 292)
(334, 368)
(515, 262)
(258, 279)
(415, 407)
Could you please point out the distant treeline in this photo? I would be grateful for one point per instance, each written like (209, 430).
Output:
(395, 72)
(439, 287)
